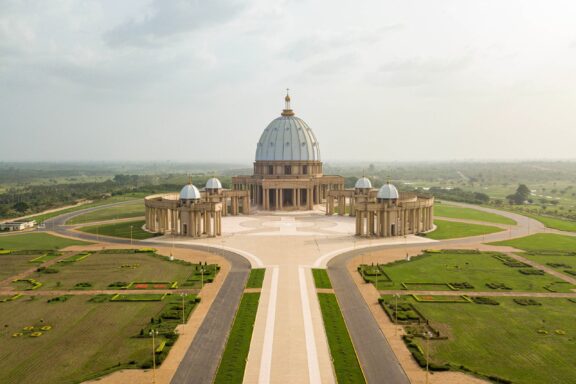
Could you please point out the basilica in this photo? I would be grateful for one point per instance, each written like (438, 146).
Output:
(288, 176)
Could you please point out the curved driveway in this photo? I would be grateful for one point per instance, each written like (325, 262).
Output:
(378, 361)
(376, 357)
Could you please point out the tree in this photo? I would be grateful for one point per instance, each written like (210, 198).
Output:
(21, 206)
(520, 196)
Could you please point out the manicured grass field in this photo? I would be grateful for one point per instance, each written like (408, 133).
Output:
(476, 269)
(256, 278)
(542, 241)
(110, 200)
(11, 265)
(552, 222)
(86, 339)
(120, 230)
(123, 211)
(503, 339)
(233, 363)
(321, 279)
(103, 269)
(342, 350)
(470, 214)
(561, 263)
(451, 230)
(36, 240)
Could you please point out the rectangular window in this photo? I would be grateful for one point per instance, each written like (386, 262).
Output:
(287, 170)
(270, 169)
(304, 169)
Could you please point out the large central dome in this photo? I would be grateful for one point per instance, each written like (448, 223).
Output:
(288, 138)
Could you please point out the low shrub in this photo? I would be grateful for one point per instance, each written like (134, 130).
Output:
(498, 286)
(58, 299)
(526, 302)
(484, 300)
(462, 285)
(83, 284)
(531, 271)
(101, 298)
(572, 273)
(118, 284)
(47, 270)
(559, 265)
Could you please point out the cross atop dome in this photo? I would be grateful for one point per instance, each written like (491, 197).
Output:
(287, 110)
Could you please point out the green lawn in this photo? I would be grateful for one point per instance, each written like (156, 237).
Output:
(561, 263)
(542, 241)
(454, 212)
(256, 278)
(233, 363)
(552, 222)
(321, 279)
(342, 350)
(503, 339)
(477, 269)
(36, 240)
(86, 340)
(451, 230)
(13, 264)
(110, 200)
(120, 230)
(103, 269)
(123, 211)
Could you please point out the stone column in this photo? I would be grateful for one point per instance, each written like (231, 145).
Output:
(281, 201)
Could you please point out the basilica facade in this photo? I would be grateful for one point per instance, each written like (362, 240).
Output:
(288, 172)
(288, 176)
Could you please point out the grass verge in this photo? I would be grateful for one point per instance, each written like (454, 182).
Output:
(123, 211)
(120, 230)
(542, 242)
(256, 278)
(233, 363)
(344, 358)
(31, 241)
(321, 279)
(470, 214)
(452, 230)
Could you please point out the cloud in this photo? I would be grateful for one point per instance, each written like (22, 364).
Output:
(171, 18)
(323, 42)
(419, 71)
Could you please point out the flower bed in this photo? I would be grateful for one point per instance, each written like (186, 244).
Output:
(152, 285)
(139, 297)
(33, 284)
(10, 298)
(441, 299)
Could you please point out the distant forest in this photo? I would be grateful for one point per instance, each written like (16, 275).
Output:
(28, 188)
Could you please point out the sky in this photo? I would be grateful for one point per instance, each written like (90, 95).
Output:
(198, 80)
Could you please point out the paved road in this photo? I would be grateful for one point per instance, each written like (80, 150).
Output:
(203, 357)
(376, 357)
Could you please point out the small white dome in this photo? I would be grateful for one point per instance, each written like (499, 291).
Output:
(213, 183)
(388, 192)
(190, 192)
(363, 183)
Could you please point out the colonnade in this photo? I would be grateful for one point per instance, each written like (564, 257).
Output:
(387, 221)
